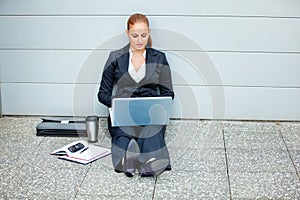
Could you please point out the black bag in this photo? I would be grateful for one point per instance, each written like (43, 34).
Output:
(61, 127)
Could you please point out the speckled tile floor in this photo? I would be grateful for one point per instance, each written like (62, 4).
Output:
(210, 160)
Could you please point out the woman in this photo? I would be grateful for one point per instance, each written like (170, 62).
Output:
(137, 70)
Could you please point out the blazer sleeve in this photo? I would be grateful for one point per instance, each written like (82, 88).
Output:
(107, 81)
(165, 80)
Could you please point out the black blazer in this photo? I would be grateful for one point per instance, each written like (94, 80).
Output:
(115, 77)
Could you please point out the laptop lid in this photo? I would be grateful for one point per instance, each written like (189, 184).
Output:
(141, 111)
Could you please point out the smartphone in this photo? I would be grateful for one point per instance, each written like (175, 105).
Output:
(76, 147)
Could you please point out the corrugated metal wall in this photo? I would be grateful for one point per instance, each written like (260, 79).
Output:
(230, 59)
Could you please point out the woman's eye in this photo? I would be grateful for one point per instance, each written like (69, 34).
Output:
(134, 36)
(144, 35)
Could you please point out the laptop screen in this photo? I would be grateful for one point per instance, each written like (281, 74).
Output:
(141, 111)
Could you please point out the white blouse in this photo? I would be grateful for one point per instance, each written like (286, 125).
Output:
(136, 75)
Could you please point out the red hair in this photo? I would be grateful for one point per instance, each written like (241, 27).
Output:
(138, 17)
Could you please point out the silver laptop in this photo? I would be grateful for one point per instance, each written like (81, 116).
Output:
(141, 111)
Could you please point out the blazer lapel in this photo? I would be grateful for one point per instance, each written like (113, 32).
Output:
(151, 61)
(123, 62)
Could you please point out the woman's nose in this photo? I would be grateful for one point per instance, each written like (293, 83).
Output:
(139, 39)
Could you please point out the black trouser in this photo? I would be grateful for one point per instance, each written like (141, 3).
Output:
(151, 141)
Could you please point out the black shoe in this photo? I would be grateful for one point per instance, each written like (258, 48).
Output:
(131, 155)
(153, 168)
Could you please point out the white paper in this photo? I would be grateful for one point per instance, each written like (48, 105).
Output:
(91, 152)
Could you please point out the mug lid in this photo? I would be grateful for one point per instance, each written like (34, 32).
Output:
(91, 118)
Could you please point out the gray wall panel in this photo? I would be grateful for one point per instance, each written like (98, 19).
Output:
(191, 101)
(245, 103)
(262, 103)
(0, 101)
(58, 32)
(85, 66)
(257, 69)
(235, 69)
(51, 99)
(155, 7)
(211, 34)
(0, 86)
(230, 59)
(51, 66)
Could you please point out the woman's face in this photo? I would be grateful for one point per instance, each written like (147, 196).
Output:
(138, 35)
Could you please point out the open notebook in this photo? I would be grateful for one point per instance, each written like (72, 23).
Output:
(81, 152)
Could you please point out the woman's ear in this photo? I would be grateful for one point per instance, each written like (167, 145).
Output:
(127, 32)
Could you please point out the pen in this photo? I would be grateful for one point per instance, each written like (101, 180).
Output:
(84, 149)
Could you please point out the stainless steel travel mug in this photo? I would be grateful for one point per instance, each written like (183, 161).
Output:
(92, 128)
